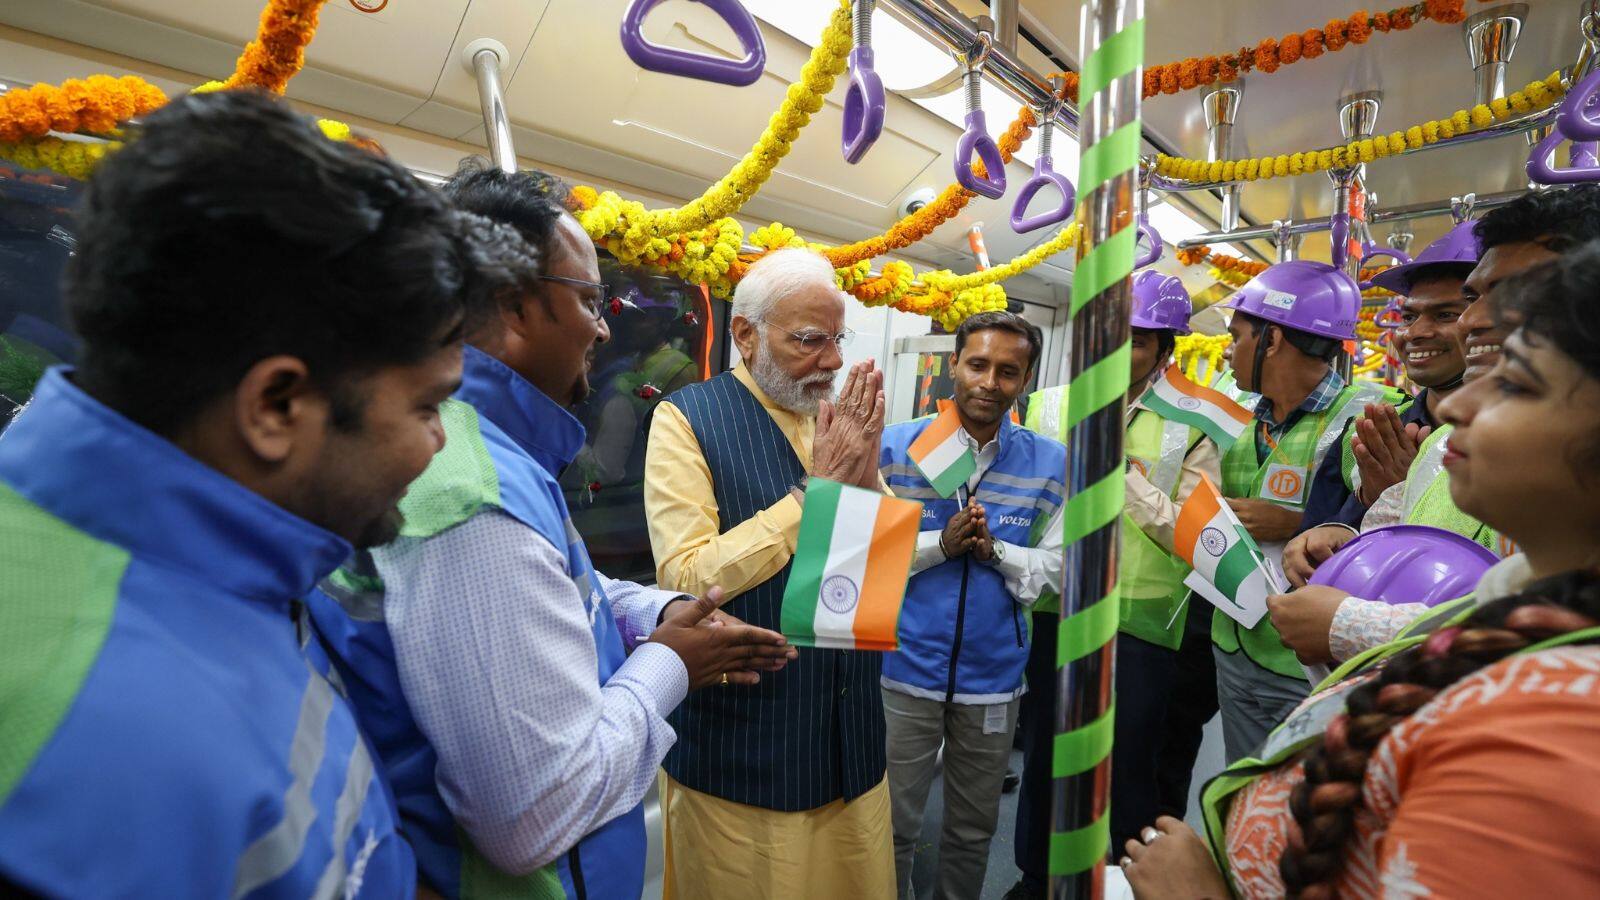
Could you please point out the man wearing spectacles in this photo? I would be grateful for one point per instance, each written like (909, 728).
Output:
(475, 640)
(777, 791)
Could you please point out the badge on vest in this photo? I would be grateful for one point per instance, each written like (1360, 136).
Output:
(1284, 484)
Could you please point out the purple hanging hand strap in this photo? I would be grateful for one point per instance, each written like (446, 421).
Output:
(657, 58)
(1400, 258)
(1149, 233)
(864, 105)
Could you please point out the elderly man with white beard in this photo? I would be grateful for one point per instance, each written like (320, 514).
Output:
(777, 788)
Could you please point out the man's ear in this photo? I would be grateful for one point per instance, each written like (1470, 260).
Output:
(745, 336)
(1274, 339)
(272, 405)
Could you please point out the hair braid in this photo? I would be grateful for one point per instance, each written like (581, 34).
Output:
(1325, 805)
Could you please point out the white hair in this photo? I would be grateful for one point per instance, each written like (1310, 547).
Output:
(777, 275)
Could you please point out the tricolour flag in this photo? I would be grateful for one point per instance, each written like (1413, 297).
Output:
(941, 455)
(1177, 398)
(851, 563)
(1224, 556)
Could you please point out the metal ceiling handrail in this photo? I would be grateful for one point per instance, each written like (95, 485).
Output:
(1523, 123)
(1376, 217)
(947, 25)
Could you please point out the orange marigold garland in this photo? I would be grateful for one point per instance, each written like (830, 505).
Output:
(279, 50)
(96, 105)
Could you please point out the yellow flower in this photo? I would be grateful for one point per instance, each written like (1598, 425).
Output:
(1500, 107)
(1481, 116)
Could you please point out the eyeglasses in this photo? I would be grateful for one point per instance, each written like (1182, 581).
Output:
(596, 301)
(812, 342)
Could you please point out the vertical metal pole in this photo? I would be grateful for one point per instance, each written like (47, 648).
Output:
(484, 57)
(1107, 181)
(1221, 105)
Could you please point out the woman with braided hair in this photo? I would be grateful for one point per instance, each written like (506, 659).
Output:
(1467, 764)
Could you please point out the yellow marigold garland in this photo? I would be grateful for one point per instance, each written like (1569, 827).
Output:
(1191, 349)
(1537, 95)
(642, 233)
(279, 50)
(74, 159)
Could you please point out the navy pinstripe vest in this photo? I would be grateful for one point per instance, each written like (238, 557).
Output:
(814, 732)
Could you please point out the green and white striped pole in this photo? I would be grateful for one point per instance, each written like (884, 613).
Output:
(1109, 131)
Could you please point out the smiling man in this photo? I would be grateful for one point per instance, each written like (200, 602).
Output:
(518, 697)
(958, 675)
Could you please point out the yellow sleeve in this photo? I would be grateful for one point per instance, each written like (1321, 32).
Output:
(681, 509)
(1155, 513)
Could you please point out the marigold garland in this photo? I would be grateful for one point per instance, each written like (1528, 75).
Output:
(278, 51)
(1191, 349)
(1537, 95)
(96, 105)
(75, 159)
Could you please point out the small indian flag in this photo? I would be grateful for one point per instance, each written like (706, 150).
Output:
(851, 563)
(941, 455)
(1213, 412)
(1224, 556)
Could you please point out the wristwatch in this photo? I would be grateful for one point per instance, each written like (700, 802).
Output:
(998, 550)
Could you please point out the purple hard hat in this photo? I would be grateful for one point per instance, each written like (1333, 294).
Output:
(1454, 254)
(1407, 564)
(1305, 295)
(1159, 302)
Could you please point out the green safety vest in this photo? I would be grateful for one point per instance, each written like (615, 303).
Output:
(1284, 478)
(1306, 725)
(1150, 579)
(1428, 502)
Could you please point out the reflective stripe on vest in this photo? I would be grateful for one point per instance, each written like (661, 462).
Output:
(1150, 577)
(1424, 469)
(1306, 725)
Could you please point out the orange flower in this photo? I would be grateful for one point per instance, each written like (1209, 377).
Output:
(1445, 11)
(1333, 35)
(1189, 74)
(1289, 49)
(1358, 28)
(1208, 69)
(1400, 19)
(1380, 21)
(1226, 70)
(1312, 43)
(278, 51)
(1267, 55)
(1169, 79)
(1152, 81)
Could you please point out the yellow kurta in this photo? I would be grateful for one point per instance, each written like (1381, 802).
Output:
(717, 848)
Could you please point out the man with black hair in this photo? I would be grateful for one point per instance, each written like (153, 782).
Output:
(957, 679)
(270, 321)
(520, 733)
(1288, 324)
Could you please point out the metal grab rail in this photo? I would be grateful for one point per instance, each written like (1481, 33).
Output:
(1376, 217)
(1523, 123)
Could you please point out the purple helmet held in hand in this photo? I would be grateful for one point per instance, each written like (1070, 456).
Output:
(1159, 303)
(1304, 295)
(1454, 254)
(1407, 564)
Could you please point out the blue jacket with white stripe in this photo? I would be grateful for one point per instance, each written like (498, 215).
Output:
(168, 727)
(963, 637)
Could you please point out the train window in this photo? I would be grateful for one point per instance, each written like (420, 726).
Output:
(665, 334)
(36, 238)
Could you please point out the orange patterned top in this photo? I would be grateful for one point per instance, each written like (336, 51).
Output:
(1490, 790)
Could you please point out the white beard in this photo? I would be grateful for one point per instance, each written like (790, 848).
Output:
(801, 396)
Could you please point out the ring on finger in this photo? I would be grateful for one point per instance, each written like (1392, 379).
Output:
(1125, 862)
(1149, 834)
